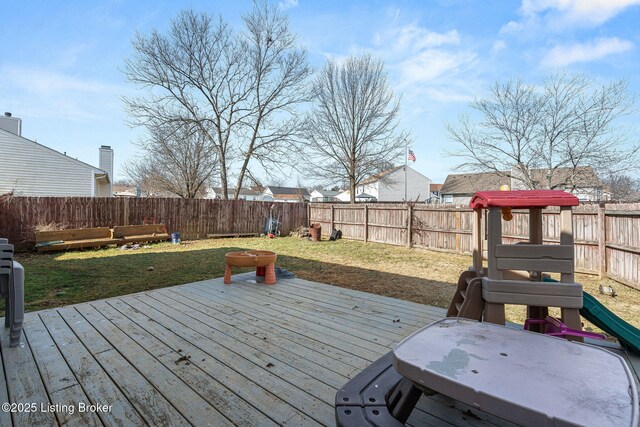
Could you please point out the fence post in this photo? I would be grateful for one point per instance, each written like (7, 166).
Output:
(126, 201)
(332, 217)
(366, 223)
(308, 221)
(602, 240)
(409, 225)
(458, 229)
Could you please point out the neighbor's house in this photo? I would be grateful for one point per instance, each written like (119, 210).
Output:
(285, 194)
(435, 190)
(245, 193)
(586, 186)
(32, 169)
(324, 196)
(126, 191)
(388, 186)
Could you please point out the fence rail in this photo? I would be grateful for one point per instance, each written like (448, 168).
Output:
(607, 238)
(193, 218)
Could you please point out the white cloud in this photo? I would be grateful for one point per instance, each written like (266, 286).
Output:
(561, 56)
(425, 63)
(42, 81)
(287, 4)
(48, 94)
(562, 14)
(433, 66)
(498, 45)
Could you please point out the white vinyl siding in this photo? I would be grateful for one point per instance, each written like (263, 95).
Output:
(391, 188)
(31, 169)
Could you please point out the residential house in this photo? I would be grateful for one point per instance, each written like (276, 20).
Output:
(245, 193)
(389, 186)
(324, 196)
(32, 169)
(126, 191)
(457, 189)
(343, 196)
(585, 184)
(435, 190)
(285, 194)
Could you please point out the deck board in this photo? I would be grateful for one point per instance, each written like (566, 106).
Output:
(259, 355)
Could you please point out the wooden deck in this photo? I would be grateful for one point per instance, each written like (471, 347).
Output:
(206, 354)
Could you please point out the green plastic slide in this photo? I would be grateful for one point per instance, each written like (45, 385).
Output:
(603, 318)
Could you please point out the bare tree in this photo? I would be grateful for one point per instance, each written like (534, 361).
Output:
(279, 71)
(623, 188)
(353, 127)
(238, 89)
(180, 161)
(560, 128)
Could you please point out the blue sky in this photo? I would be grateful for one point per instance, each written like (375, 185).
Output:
(61, 62)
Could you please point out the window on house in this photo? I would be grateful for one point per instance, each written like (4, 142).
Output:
(448, 199)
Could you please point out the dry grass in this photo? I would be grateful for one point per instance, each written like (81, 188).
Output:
(421, 276)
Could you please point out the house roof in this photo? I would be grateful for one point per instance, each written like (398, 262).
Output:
(327, 193)
(55, 153)
(290, 191)
(243, 191)
(472, 182)
(469, 183)
(436, 187)
(364, 196)
(380, 175)
(584, 176)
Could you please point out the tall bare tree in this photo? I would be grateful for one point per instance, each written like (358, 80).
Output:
(279, 74)
(238, 89)
(353, 127)
(562, 127)
(177, 160)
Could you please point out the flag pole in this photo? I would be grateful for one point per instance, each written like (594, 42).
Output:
(406, 162)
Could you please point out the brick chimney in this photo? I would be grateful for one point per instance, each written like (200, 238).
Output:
(11, 124)
(106, 164)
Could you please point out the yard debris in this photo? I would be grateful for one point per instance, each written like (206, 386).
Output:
(301, 232)
(608, 290)
(132, 246)
(150, 269)
(283, 273)
(184, 358)
(270, 365)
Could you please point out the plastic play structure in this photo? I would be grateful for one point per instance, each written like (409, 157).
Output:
(516, 274)
(473, 358)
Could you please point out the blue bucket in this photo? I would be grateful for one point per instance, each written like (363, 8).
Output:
(175, 238)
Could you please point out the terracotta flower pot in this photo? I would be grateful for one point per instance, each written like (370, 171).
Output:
(315, 231)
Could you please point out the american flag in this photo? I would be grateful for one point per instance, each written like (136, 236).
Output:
(411, 156)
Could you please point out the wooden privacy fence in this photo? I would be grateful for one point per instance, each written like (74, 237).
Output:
(607, 239)
(192, 218)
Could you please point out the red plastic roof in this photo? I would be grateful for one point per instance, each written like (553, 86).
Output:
(522, 199)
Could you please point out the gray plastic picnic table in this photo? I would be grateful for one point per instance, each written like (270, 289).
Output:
(521, 376)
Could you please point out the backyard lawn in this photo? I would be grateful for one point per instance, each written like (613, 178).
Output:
(417, 275)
